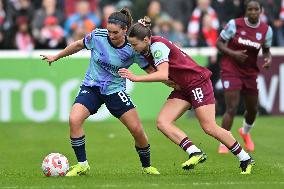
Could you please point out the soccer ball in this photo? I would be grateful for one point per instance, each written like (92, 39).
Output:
(55, 164)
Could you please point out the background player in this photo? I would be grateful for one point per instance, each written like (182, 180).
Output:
(240, 42)
(102, 85)
(196, 91)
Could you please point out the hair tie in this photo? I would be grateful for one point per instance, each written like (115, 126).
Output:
(141, 21)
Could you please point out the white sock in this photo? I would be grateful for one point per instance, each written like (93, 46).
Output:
(84, 163)
(243, 156)
(246, 127)
(192, 149)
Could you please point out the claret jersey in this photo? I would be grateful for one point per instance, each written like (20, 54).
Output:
(241, 35)
(182, 69)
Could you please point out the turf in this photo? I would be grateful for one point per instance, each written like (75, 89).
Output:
(114, 162)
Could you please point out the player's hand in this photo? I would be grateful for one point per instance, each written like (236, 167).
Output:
(172, 84)
(49, 58)
(240, 56)
(267, 62)
(125, 73)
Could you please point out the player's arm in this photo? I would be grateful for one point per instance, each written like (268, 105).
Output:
(239, 55)
(169, 83)
(267, 57)
(226, 35)
(161, 74)
(266, 48)
(150, 69)
(69, 50)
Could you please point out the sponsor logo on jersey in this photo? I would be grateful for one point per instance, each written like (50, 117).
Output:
(158, 54)
(248, 42)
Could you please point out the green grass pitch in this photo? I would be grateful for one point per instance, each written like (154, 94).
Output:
(114, 162)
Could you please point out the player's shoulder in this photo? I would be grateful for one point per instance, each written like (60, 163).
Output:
(158, 39)
(100, 32)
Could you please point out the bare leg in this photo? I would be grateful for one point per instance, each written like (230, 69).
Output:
(77, 117)
(170, 112)
(251, 103)
(131, 120)
(232, 100)
(206, 117)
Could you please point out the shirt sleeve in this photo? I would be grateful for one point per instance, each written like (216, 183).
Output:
(268, 38)
(229, 30)
(160, 52)
(89, 41)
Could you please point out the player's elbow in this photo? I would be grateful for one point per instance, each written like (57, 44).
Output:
(164, 76)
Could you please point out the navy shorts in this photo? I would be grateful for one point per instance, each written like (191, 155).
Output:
(117, 103)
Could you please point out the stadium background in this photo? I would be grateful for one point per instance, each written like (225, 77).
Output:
(35, 99)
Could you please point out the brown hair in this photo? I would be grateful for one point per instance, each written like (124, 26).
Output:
(122, 18)
(141, 29)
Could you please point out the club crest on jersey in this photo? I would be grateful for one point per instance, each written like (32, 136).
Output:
(226, 84)
(258, 36)
(158, 54)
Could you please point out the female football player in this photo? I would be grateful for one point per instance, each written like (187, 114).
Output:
(195, 91)
(240, 42)
(103, 85)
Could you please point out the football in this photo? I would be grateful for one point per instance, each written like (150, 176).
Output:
(55, 164)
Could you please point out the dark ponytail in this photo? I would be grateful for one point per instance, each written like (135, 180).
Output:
(141, 29)
(122, 18)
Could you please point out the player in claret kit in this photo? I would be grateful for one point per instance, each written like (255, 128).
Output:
(193, 89)
(103, 85)
(240, 42)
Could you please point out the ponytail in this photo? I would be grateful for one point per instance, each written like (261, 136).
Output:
(141, 29)
(122, 18)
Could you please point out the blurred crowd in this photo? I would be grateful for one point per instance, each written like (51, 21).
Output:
(52, 24)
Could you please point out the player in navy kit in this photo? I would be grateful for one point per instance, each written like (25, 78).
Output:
(193, 89)
(240, 42)
(103, 85)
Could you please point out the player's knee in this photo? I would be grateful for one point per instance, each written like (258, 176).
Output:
(75, 121)
(137, 131)
(209, 129)
(231, 110)
(252, 111)
(161, 124)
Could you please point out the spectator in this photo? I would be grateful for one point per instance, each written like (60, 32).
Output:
(180, 10)
(166, 27)
(81, 22)
(154, 12)
(48, 9)
(70, 6)
(195, 23)
(107, 10)
(274, 10)
(2, 21)
(52, 34)
(23, 39)
(228, 9)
